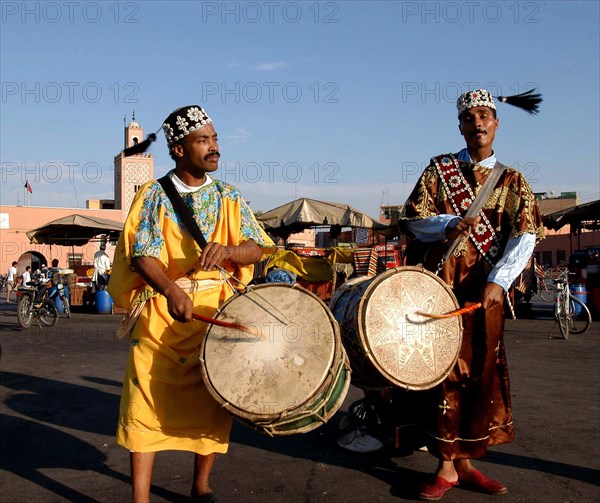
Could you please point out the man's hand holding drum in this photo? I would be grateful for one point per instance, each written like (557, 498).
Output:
(214, 254)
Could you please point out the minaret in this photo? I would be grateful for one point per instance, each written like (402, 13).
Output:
(133, 171)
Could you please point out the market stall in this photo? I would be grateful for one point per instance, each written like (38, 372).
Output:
(77, 230)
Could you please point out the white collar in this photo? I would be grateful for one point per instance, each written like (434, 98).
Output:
(183, 188)
(488, 162)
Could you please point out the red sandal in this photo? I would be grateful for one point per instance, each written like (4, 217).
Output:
(434, 490)
(479, 482)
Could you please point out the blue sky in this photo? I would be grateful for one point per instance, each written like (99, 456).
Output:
(341, 101)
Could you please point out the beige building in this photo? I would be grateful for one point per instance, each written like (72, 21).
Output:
(129, 174)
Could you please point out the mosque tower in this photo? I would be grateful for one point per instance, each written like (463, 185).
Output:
(133, 171)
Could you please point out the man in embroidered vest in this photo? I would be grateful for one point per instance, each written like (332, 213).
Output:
(160, 270)
(470, 410)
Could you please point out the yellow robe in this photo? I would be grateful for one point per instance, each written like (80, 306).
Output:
(164, 404)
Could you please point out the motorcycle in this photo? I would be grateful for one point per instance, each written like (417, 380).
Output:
(59, 289)
(35, 303)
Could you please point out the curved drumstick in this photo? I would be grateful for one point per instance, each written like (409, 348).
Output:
(450, 314)
(226, 324)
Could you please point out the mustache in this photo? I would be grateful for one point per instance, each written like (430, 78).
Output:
(478, 131)
(208, 156)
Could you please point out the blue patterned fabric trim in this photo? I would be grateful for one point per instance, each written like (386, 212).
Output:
(205, 204)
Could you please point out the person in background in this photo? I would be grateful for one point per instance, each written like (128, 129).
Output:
(11, 280)
(101, 268)
(27, 275)
(52, 272)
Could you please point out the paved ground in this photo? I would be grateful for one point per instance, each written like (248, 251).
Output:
(59, 390)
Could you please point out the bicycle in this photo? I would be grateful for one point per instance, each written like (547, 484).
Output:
(545, 284)
(547, 292)
(571, 313)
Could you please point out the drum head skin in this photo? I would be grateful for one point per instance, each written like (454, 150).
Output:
(387, 342)
(264, 376)
(410, 350)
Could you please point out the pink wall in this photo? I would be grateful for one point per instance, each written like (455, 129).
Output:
(555, 241)
(14, 242)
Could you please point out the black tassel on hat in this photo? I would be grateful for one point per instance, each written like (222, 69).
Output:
(179, 123)
(528, 101)
(140, 147)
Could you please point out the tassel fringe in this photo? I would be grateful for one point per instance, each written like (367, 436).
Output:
(140, 147)
(528, 101)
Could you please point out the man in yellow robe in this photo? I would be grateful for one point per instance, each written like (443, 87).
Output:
(161, 276)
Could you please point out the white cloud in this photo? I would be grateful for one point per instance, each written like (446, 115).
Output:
(240, 136)
(269, 66)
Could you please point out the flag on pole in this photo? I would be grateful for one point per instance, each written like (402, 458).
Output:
(28, 187)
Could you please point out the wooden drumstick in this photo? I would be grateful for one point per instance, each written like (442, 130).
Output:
(227, 324)
(247, 288)
(450, 314)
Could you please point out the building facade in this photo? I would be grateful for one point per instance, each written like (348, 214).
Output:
(15, 221)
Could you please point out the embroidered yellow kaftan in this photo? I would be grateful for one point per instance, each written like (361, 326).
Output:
(164, 404)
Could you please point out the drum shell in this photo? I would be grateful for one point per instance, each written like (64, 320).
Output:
(353, 306)
(297, 416)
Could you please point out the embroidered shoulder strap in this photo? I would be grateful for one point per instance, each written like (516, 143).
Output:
(182, 210)
(461, 196)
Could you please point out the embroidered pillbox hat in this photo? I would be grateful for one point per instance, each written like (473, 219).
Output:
(528, 101)
(183, 121)
(180, 123)
(476, 98)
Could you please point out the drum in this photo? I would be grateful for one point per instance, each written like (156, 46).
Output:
(388, 344)
(292, 376)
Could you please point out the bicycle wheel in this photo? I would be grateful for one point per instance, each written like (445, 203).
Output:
(580, 316)
(24, 311)
(547, 294)
(66, 306)
(48, 314)
(563, 313)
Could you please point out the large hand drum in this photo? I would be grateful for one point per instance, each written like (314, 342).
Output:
(387, 342)
(292, 376)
